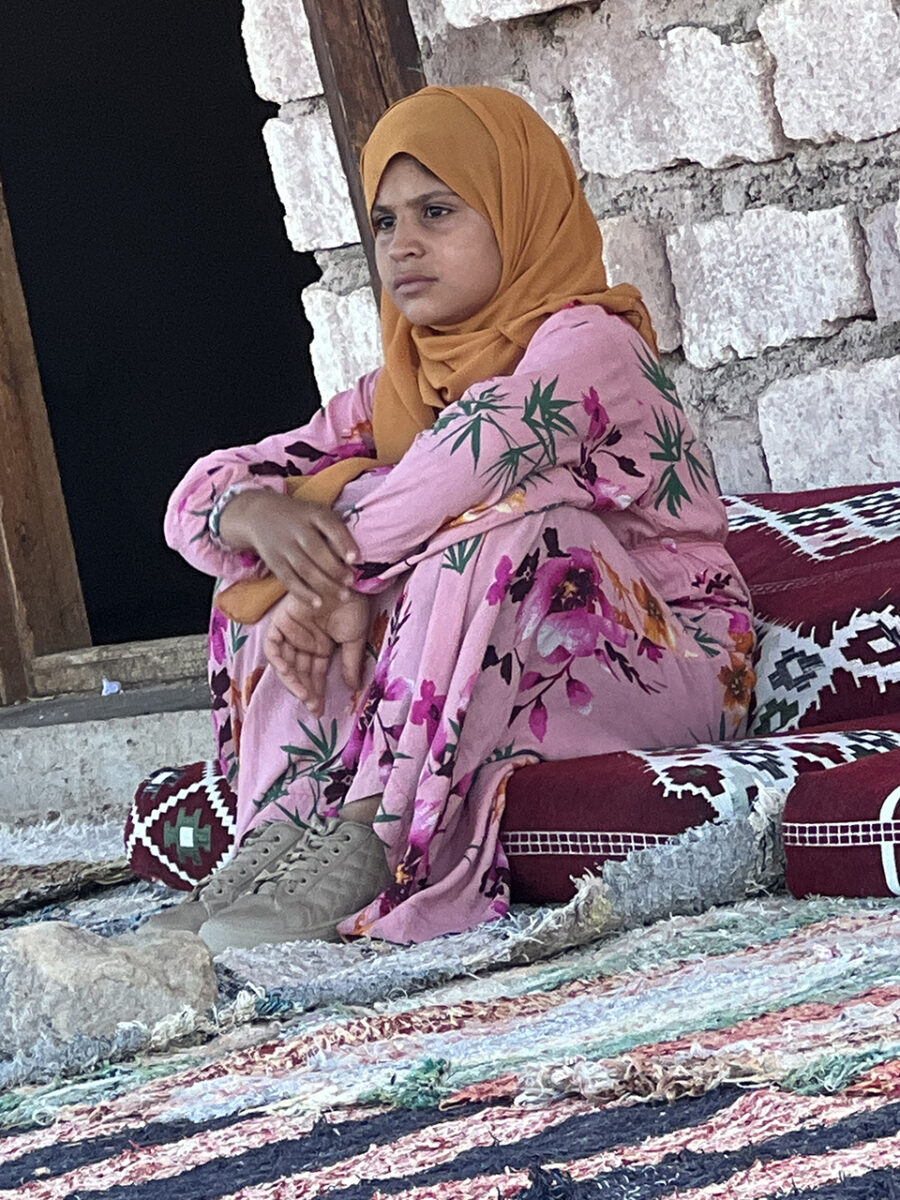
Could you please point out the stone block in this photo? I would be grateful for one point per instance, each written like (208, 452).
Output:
(737, 452)
(279, 50)
(835, 426)
(463, 13)
(643, 103)
(310, 179)
(836, 72)
(636, 253)
(90, 769)
(346, 336)
(59, 982)
(882, 230)
(764, 279)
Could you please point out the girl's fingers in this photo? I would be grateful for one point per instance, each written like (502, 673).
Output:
(307, 577)
(352, 655)
(338, 536)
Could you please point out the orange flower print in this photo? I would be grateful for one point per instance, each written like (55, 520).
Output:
(624, 620)
(656, 628)
(612, 575)
(379, 629)
(740, 630)
(739, 680)
(250, 683)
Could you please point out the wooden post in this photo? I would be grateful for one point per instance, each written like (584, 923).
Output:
(368, 57)
(41, 605)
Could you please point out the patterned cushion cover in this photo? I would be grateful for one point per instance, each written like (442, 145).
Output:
(181, 826)
(842, 832)
(824, 571)
(565, 818)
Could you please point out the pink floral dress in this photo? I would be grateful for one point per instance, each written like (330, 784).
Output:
(548, 581)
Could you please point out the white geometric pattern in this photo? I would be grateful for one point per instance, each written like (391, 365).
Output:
(741, 767)
(884, 833)
(581, 842)
(141, 825)
(825, 531)
(794, 671)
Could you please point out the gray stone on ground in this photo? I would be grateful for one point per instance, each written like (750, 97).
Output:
(59, 982)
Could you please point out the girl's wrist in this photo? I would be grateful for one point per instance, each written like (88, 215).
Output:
(227, 518)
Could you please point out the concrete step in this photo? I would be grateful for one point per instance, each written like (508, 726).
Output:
(82, 756)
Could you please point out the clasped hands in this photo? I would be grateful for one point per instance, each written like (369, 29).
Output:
(309, 548)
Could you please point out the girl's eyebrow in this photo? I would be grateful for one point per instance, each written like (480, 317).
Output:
(416, 200)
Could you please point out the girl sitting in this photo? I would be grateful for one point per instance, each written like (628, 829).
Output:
(504, 545)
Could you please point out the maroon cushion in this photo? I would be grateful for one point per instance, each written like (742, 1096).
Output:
(842, 832)
(824, 571)
(181, 825)
(565, 818)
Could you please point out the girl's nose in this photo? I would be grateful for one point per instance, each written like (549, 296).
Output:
(405, 240)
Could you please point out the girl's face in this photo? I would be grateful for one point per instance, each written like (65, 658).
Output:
(437, 257)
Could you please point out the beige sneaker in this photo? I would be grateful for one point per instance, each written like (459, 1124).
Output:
(333, 870)
(260, 850)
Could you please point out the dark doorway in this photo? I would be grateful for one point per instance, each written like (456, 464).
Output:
(163, 294)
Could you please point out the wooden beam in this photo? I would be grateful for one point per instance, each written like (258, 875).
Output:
(164, 660)
(368, 58)
(41, 605)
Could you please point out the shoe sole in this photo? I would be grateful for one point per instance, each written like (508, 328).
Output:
(231, 939)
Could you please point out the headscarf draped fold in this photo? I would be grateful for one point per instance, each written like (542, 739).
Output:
(494, 151)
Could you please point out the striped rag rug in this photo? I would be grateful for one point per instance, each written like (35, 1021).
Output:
(749, 1052)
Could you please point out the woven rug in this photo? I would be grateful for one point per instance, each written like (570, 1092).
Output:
(752, 1050)
(743, 1052)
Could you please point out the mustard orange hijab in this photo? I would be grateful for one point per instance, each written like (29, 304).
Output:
(494, 151)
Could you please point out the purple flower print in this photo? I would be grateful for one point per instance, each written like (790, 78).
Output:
(580, 696)
(567, 609)
(427, 709)
(217, 626)
(502, 578)
(598, 415)
(537, 719)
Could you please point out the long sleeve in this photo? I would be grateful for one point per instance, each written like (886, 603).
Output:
(340, 430)
(588, 419)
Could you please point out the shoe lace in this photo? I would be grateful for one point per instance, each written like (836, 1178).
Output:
(321, 834)
(260, 843)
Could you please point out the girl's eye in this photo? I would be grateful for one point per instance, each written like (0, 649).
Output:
(436, 210)
(380, 224)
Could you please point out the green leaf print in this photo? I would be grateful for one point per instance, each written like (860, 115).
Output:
(316, 762)
(542, 415)
(652, 369)
(671, 449)
(458, 556)
(236, 637)
(479, 410)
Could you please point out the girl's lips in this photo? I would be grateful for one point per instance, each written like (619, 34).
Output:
(413, 286)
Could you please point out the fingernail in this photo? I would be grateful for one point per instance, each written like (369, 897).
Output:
(345, 595)
(317, 602)
(350, 556)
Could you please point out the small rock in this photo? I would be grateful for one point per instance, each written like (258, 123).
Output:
(58, 981)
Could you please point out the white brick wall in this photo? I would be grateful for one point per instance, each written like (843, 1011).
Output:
(477, 12)
(636, 253)
(840, 425)
(762, 258)
(882, 230)
(642, 103)
(310, 180)
(838, 66)
(346, 337)
(764, 279)
(279, 50)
